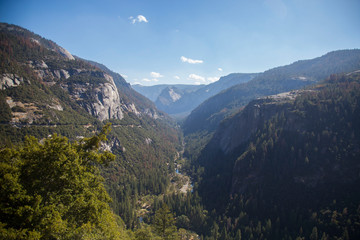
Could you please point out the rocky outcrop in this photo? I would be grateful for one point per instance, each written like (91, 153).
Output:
(112, 145)
(23, 112)
(65, 53)
(168, 96)
(101, 100)
(9, 80)
(107, 101)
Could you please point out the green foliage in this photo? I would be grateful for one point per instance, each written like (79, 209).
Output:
(5, 111)
(145, 153)
(53, 189)
(164, 223)
(145, 233)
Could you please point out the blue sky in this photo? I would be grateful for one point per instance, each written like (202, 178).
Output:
(192, 42)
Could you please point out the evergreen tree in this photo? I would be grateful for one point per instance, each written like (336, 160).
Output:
(215, 231)
(314, 234)
(145, 233)
(52, 189)
(238, 235)
(164, 223)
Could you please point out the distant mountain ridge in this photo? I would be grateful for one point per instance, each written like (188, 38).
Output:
(182, 99)
(302, 73)
(153, 92)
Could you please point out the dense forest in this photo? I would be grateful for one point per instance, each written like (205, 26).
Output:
(296, 176)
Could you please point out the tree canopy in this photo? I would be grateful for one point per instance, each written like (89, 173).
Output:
(52, 189)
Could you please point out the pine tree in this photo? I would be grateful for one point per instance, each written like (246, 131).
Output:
(164, 223)
(314, 234)
(238, 235)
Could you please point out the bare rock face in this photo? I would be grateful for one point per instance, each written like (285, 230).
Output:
(151, 113)
(107, 104)
(8, 80)
(65, 53)
(101, 100)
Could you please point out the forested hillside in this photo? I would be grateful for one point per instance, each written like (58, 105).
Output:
(287, 166)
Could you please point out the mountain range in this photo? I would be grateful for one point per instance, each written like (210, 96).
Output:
(180, 100)
(297, 75)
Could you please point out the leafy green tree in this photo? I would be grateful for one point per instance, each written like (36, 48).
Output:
(52, 189)
(164, 223)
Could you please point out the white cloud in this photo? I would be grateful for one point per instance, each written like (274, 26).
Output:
(196, 77)
(197, 83)
(156, 75)
(177, 77)
(139, 18)
(124, 76)
(220, 69)
(212, 79)
(189, 60)
(146, 80)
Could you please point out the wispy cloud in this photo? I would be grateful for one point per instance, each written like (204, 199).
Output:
(220, 69)
(177, 77)
(156, 75)
(189, 60)
(196, 77)
(139, 18)
(202, 80)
